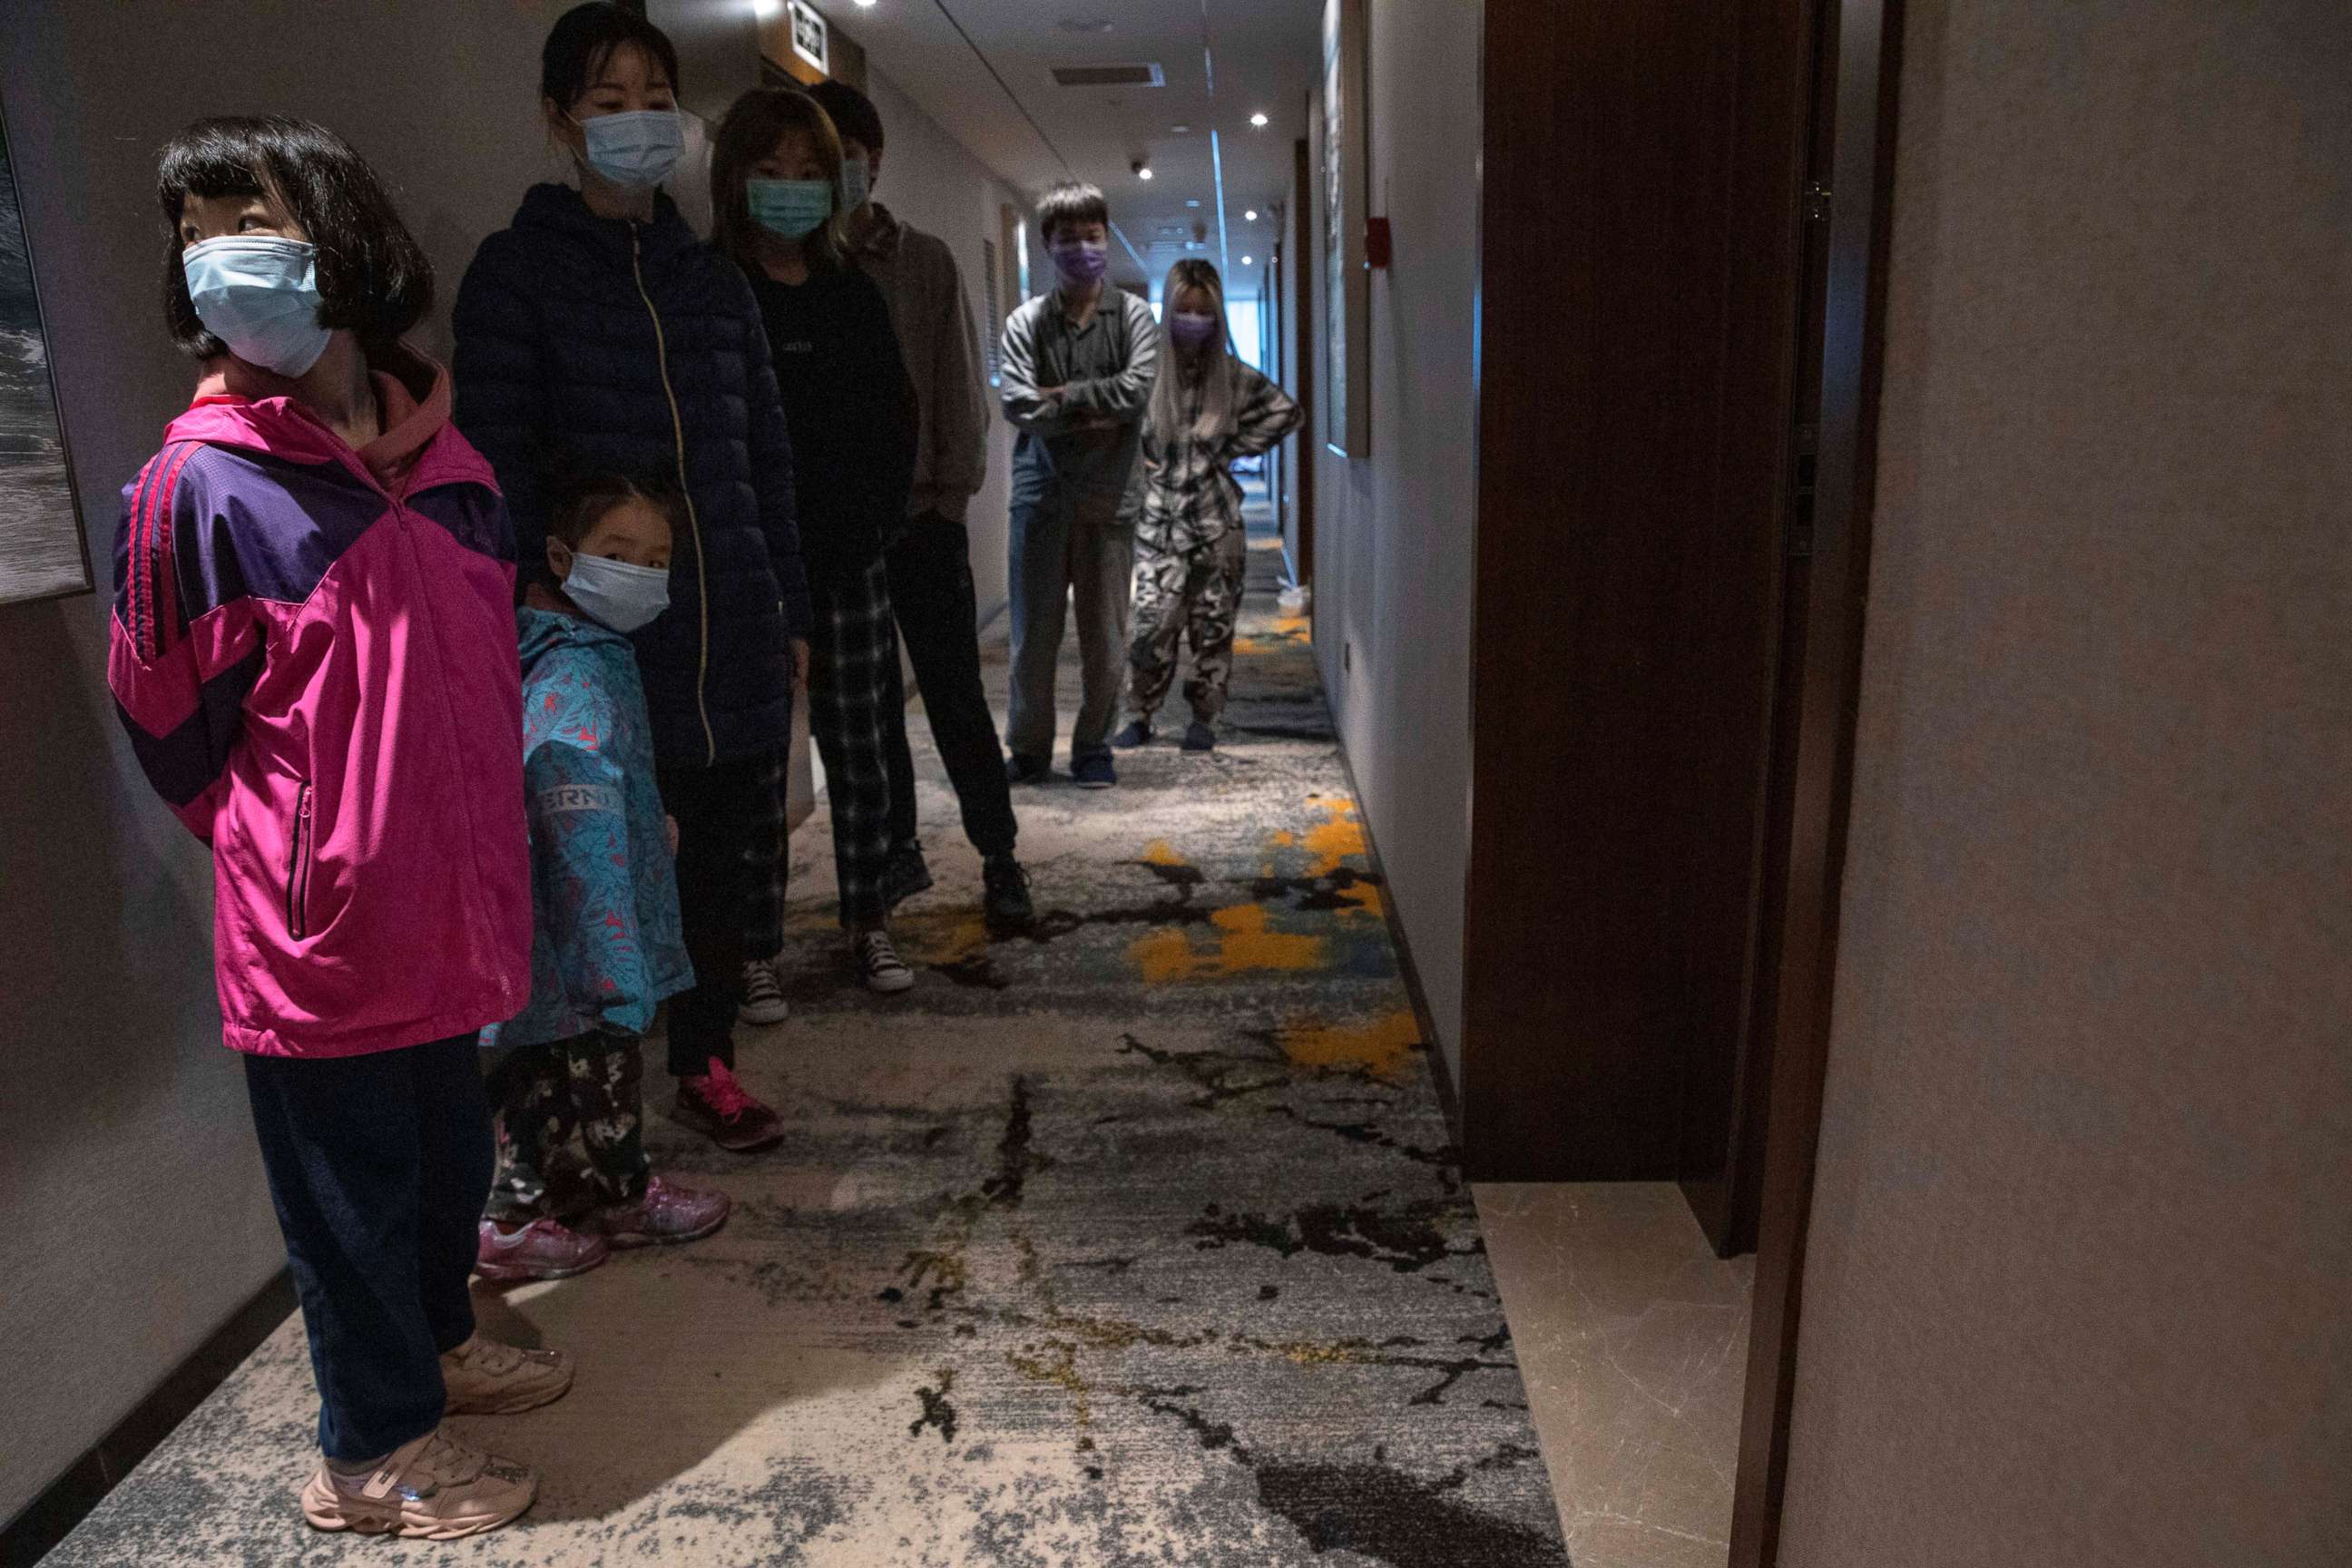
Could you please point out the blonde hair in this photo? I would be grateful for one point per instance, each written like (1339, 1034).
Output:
(1220, 372)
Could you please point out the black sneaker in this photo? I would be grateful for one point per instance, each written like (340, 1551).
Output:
(1007, 902)
(1023, 770)
(1094, 772)
(1138, 734)
(1199, 737)
(908, 873)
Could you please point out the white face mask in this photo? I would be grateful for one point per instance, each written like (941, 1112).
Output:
(616, 594)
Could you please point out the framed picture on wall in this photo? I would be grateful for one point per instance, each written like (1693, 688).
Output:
(42, 552)
(1347, 285)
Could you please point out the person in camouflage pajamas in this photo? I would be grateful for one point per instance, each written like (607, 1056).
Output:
(1191, 553)
(546, 1096)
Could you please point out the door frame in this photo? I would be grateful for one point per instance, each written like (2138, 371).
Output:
(1867, 37)
(1302, 372)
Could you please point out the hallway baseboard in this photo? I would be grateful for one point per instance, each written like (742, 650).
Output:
(1441, 1072)
(54, 1511)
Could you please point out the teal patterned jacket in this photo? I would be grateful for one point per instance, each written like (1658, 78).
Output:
(606, 947)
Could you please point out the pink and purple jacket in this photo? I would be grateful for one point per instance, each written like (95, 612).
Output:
(314, 653)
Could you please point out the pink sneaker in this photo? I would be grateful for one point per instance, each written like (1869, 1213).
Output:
(665, 1215)
(537, 1250)
(715, 1102)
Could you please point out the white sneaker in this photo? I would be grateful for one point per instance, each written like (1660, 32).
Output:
(878, 959)
(764, 997)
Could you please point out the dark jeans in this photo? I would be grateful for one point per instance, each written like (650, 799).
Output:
(378, 1165)
(718, 811)
(593, 1085)
(939, 618)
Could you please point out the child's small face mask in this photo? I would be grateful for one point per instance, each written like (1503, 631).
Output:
(619, 576)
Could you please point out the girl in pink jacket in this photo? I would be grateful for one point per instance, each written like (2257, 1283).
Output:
(313, 651)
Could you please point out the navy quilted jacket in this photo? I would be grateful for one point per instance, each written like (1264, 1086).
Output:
(595, 343)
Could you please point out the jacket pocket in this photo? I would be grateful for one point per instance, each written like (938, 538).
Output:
(298, 870)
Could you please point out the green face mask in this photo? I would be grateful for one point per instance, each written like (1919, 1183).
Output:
(792, 208)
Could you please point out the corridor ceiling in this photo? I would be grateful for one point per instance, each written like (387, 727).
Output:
(985, 70)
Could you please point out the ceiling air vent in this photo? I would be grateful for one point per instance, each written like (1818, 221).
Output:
(1110, 76)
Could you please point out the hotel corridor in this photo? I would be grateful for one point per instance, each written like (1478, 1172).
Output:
(1135, 1239)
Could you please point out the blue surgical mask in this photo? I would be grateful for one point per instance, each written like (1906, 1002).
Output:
(857, 184)
(636, 150)
(259, 294)
(793, 208)
(615, 594)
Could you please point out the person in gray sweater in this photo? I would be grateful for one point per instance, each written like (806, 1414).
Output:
(930, 555)
(1080, 364)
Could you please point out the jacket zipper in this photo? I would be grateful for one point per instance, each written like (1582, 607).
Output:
(693, 521)
(298, 874)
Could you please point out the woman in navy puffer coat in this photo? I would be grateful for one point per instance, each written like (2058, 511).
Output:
(598, 334)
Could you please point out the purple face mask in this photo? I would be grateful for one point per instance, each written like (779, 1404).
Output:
(1080, 262)
(1192, 331)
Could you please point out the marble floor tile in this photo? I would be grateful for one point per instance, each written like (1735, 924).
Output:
(1632, 1339)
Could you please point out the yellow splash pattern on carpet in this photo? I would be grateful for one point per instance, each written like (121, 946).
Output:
(1384, 1048)
(1338, 838)
(1241, 941)
(936, 936)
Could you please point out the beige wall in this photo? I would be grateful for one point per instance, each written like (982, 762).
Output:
(2080, 1287)
(1393, 529)
(133, 1217)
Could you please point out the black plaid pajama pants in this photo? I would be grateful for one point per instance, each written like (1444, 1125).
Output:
(853, 681)
(852, 671)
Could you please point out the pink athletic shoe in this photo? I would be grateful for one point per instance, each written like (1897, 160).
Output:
(665, 1215)
(537, 1250)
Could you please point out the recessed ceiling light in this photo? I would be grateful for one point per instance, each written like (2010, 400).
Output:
(1249, 261)
(1181, 129)
(1192, 201)
(1259, 121)
(1144, 173)
(1250, 217)
(866, 5)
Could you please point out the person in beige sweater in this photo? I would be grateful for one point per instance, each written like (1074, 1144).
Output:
(929, 557)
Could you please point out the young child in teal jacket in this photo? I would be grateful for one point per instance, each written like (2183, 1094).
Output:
(607, 946)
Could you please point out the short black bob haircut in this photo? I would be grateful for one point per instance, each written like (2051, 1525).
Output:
(853, 114)
(584, 38)
(1073, 201)
(375, 280)
(581, 503)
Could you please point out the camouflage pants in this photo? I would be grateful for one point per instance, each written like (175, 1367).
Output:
(541, 1096)
(1185, 594)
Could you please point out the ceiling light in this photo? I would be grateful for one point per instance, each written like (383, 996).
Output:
(1181, 129)
(866, 5)
(1067, 24)
(1249, 261)
(1143, 172)
(1259, 121)
(1192, 201)
(1250, 217)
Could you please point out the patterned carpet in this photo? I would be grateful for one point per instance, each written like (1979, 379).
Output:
(1136, 1240)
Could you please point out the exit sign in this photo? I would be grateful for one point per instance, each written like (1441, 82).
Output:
(809, 35)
